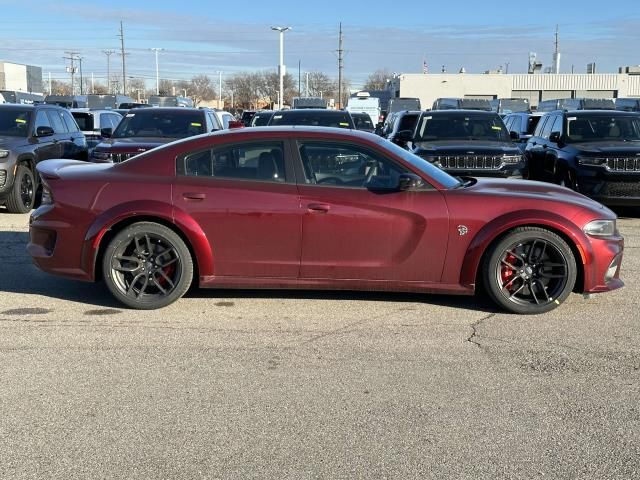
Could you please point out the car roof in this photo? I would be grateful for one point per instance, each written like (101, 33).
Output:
(461, 111)
(93, 110)
(25, 106)
(595, 112)
(182, 110)
(310, 110)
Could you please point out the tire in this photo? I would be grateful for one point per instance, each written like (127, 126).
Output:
(529, 271)
(147, 266)
(564, 179)
(23, 193)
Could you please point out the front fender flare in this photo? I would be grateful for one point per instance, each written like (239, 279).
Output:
(529, 218)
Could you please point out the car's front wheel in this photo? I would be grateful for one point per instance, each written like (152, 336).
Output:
(531, 270)
(147, 266)
(23, 194)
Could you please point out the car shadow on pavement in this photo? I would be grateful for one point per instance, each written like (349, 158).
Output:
(20, 276)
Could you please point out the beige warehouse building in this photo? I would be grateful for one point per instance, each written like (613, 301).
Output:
(535, 88)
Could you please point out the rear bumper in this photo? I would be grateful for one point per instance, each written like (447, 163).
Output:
(55, 245)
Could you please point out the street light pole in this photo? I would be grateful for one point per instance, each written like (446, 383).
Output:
(281, 30)
(220, 103)
(157, 70)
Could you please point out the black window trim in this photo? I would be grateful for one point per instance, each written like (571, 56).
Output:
(301, 176)
(289, 178)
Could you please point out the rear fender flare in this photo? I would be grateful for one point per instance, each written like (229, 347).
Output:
(165, 213)
(496, 228)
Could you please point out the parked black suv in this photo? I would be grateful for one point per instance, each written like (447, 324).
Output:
(524, 124)
(467, 143)
(400, 122)
(28, 135)
(143, 129)
(595, 152)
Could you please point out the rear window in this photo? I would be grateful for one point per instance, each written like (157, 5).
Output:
(325, 118)
(261, 119)
(362, 121)
(532, 123)
(84, 120)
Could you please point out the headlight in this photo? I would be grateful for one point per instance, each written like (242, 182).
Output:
(101, 155)
(600, 228)
(512, 159)
(4, 153)
(592, 161)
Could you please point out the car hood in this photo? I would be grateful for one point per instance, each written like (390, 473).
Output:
(533, 190)
(625, 148)
(133, 145)
(465, 146)
(8, 142)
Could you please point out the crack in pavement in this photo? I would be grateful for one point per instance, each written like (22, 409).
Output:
(474, 329)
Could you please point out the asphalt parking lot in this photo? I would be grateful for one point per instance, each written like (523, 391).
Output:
(245, 384)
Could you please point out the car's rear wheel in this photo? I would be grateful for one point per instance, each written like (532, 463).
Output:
(147, 266)
(23, 193)
(531, 270)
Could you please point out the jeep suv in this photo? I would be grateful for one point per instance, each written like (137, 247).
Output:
(466, 143)
(28, 135)
(595, 152)
(397, 122)
(143, 129)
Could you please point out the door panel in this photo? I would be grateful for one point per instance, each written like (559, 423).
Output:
(400, 236)
(253, 225)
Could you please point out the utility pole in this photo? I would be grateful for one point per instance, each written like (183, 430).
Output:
(307, 84)
(556, 53)
(81, 83)
(72, 69)
(108, 53)
(506, 70)
(220, 103)
(123, 53)
(49, 83)
(340, 66)
(93, 84)
(299, 63)
(281, 68)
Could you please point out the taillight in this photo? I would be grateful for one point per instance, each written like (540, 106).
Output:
(47, 197)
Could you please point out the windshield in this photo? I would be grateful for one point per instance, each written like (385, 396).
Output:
(84, 120)
(596, 128)
(362, 121)
(14, 123)
(515, 105)
(440, 176)
(324, 118)
(149, 123)
(461, 127)
(261, 119)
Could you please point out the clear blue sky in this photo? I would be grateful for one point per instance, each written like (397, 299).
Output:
(230, 36)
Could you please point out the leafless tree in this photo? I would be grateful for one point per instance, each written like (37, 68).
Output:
(378, 80)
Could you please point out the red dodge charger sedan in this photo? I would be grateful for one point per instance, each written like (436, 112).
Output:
(316, 208)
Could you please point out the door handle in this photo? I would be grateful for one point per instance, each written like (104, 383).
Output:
(318, 207)
(194, 195)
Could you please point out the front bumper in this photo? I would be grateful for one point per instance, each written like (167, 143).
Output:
(603, 265)
(610, 188)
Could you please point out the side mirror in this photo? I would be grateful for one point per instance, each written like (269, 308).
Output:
(235, 124)
(404, 136)
(409, 181)
(106, 132)
(555, 137)
(43, 131)
(515, 136)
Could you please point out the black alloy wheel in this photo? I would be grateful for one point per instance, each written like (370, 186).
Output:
(147, 266)
(23, 194)
(531, 270)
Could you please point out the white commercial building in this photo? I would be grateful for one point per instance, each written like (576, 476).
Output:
(20, 78)
(535, 88)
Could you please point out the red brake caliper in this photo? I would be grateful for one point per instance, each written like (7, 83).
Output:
(506, 272)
